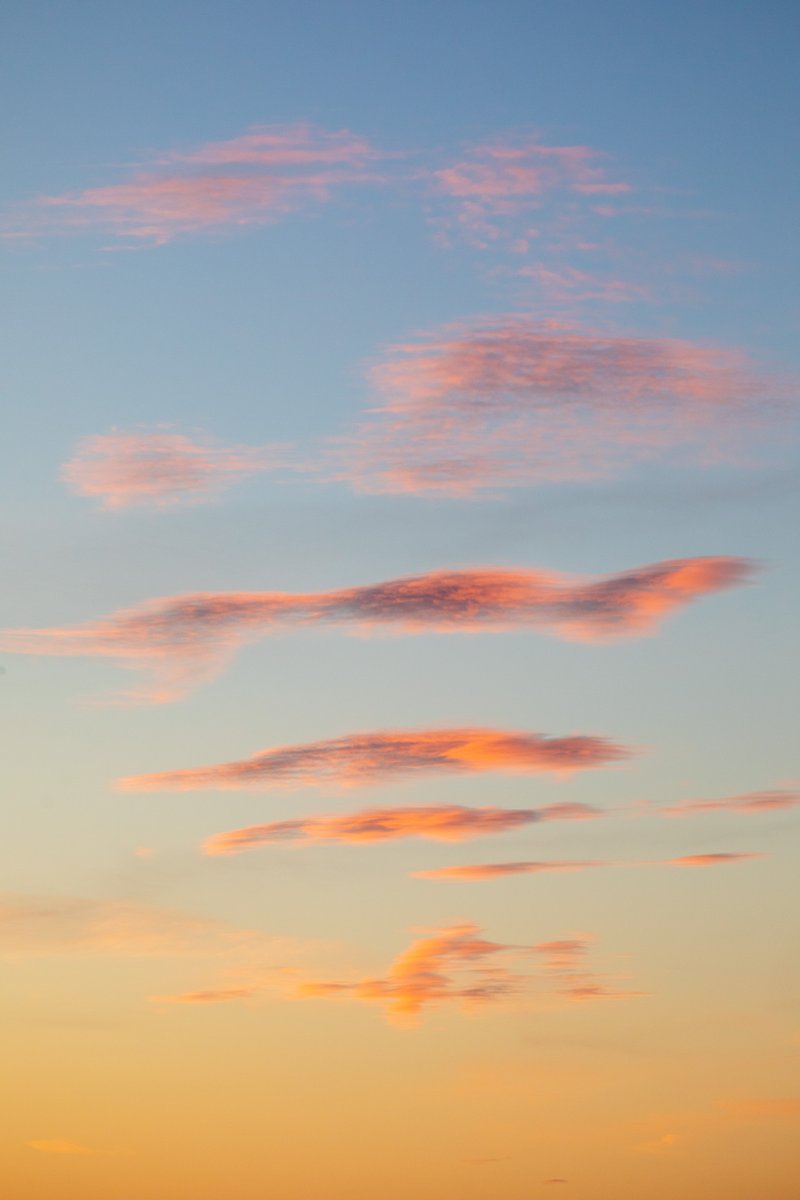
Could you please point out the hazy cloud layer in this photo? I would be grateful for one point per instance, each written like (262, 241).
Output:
(47, 925)
(160, 469)
(182, 640)
(456, 964)
(445, 823)
(747, 802)
(265, 174)
(514, 401)
(384, 755)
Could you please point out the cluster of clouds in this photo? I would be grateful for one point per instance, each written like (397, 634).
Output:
(183, 640)
(458, 964)
(271, 172)
(476, 408)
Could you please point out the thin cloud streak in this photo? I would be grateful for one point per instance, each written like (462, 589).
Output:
(359, 759)
(183, 640)
(478, 872)
(160, 469)
(444, 823)
(255, 178)
(512, 401)
(752, 803)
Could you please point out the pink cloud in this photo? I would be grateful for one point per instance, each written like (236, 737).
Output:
(492, 184)
(125, 470)
(258, 177)
(184, 639)
(359, 759)
(747, 802)
(512, 401)
(209, 996)
(444, 823)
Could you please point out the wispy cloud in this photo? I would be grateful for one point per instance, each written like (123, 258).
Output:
(209, 996)
(255, 178)
(456, 964)
(182, 640)
(47, 925)
(444, 823)
(60, 1146)
(384, 755)
(161, 469)
(746, 802)
(475, 872)
(513, 401)
(478, 872)
(493, 191)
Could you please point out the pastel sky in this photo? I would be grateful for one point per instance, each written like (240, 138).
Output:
(398, 651)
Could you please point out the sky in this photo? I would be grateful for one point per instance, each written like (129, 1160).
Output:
(398, 647)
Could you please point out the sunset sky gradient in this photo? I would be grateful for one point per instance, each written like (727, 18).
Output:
(399, 642)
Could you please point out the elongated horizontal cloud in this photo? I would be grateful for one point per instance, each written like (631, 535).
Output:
(477, 872)
(184, 639)
(384, 755)
(747, 802)
(160, 469)
(710, 860)
(455, 964)
(444, 823)
(255, 178)
(209, 996)
(60, 1146)
(512, 401)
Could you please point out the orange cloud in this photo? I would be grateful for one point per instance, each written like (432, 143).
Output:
(60, 1146)
(747, 802)
(369, 758)
(262, 175)
(709, 860)
(209, 996)
(481, 871)
(184, 639)
(456, 964)
(477, 872)
(444, 823)
(512, 401)
(128, 469)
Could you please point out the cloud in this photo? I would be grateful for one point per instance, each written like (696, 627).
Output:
(490, 187)
(564, 961)
(376, 757)
(513, 401)
(209, 996)
(444, 823)
(161, 469)
(455, 964)
(185, 639)
(746, 802)
(47, 925)
(255, 178)
(478, 872)
(710, 860)
(60, 1146)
